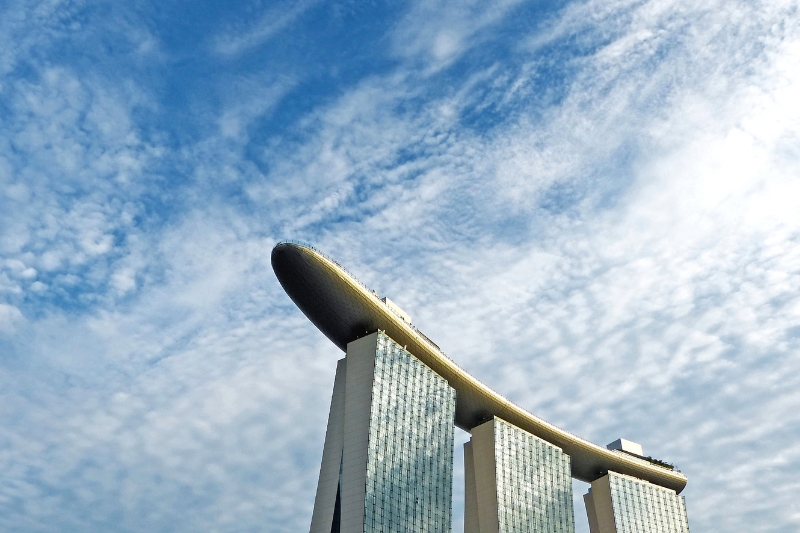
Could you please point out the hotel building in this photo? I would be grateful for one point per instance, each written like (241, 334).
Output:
(387, 462)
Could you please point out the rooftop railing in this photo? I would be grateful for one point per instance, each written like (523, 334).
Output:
(326, 256)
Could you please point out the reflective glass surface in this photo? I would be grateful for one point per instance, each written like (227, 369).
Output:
(534, 487)
(641, 507)
(410, 458)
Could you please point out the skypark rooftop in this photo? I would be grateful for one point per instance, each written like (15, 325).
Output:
(344, 310)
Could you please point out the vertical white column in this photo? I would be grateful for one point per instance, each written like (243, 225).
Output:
(602, 506)
(484, 460)
(358, 402)
(322, 518)
(471, 524)
(588, 500)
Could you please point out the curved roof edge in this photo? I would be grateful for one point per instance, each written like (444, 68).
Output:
(344, 310)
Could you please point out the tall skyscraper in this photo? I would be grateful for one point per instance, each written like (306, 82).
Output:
(388, 456)
(388, 452)
(623, 504)
(515, 482)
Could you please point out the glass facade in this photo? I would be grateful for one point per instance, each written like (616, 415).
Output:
(641, 507)
(534, 484)
(410, 454)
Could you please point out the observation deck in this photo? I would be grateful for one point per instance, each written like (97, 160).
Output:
(344, 310)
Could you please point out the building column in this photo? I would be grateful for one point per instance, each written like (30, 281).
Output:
(471, 524)
(616, 503)
(328, 485)
(516, 482)
(388, 456)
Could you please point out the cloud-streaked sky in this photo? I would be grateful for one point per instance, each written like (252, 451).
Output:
(592, 206)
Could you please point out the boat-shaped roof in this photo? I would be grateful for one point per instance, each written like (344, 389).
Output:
(344, 310)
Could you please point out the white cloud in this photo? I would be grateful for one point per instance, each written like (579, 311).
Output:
(619, 257)
(272, 23)
(76, 169)
(38, 286)
(437, 33)
(251, 99)
(10, 316)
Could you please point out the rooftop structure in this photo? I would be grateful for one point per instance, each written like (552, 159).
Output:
(626, 446)
(346, 310)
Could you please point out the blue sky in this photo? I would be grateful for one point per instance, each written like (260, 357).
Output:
(592, 206)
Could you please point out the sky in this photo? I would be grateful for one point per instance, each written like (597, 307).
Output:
(592, 206)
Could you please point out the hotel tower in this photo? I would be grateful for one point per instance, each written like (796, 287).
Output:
(387, 460)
